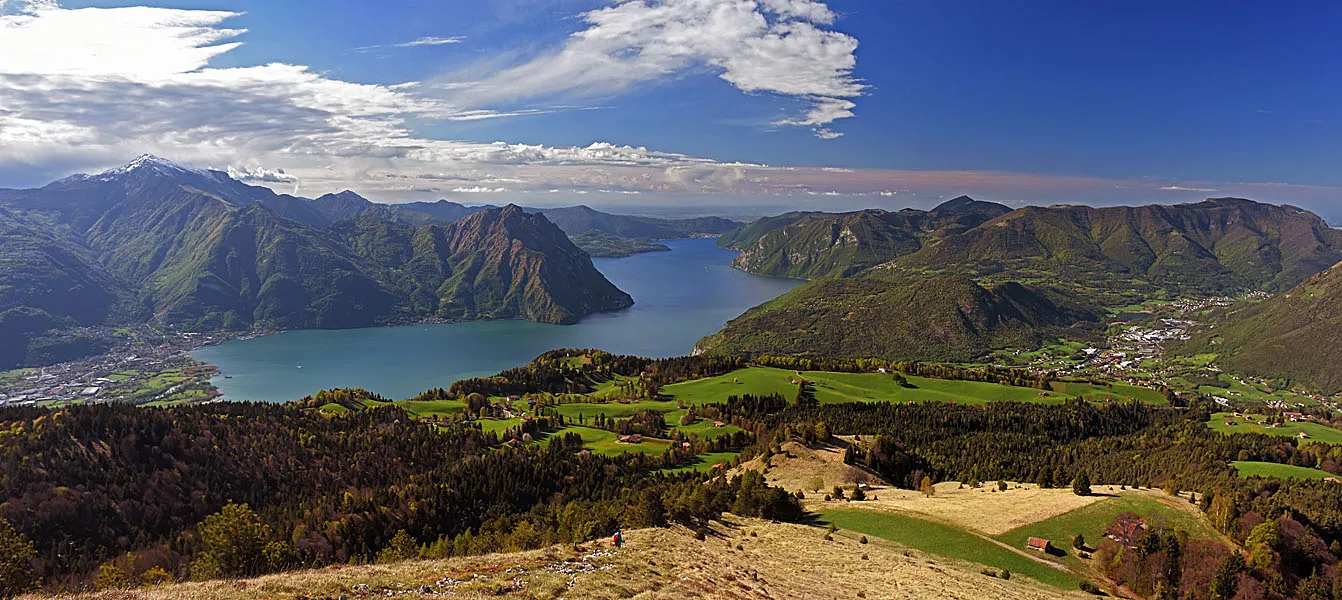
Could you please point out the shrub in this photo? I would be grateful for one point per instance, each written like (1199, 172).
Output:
(863, 540)
(16, 558)
(154, 576)
(111, 577)
(1005, 574)
(1089, 588)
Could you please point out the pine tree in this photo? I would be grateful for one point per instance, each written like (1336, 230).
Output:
(1081, 484)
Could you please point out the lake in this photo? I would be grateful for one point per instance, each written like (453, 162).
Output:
(679, 297)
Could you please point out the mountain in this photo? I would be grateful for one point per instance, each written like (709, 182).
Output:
(200, 250)
(911, 279)
(944, 318)
(348, 205)
(607, 235)
(1215, 246)
(600, 244)
(575, 220)
(1291, 337)
(810, 245)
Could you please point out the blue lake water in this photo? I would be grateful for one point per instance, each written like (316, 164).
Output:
(679, 297)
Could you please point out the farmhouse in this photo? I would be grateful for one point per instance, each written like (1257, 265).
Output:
(1039, 544)
(1126, 529)
(631, 439)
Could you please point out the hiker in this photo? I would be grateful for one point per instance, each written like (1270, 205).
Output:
(618, 540)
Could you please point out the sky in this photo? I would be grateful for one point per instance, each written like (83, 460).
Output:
(756, 105)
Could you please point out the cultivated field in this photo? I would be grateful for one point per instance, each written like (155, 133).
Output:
(745, 559)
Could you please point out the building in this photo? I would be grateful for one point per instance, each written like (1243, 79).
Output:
(1040, 544)
(1126, 529)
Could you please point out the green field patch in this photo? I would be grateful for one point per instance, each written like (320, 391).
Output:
(614, 410)
(834, 388)
(1252, 424)
(433, 408)
(607, 443)
(498, 425)
(944, 540)
(1092, 520)
(705, 462)
(1248, 468)
(706, 430)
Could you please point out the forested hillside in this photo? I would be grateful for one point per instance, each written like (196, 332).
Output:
(882, 278)
(157, 241)
(943, 318)
(811, 245)
(1291, 338)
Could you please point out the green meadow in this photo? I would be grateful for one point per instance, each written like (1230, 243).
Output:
(944, 540)
(1092, 520)
(1248, 468)
(1253, 424)
(832, 388)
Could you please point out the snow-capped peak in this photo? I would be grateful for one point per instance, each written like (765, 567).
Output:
(150, 163)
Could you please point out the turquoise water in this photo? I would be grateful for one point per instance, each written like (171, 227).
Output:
(679, 297)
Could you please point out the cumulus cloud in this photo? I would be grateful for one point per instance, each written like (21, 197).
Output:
(92, 87)
(261, 175)
(88, 88)
(781, 47)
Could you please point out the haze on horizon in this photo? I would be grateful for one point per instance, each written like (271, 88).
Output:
(747, 106)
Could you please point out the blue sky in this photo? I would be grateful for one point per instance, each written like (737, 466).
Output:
(1097, 102)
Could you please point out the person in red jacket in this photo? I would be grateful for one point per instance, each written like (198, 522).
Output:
(617, 539)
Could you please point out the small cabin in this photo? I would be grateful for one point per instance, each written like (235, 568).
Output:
(1039, 544)
(631, 439)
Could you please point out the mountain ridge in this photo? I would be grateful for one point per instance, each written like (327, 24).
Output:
(156, 241)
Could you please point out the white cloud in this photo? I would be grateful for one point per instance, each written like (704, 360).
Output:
(89, 88)
(479, 190)
(1180, 188)
(767, 46)
(261, 175)
(431, 41)
(424, 41)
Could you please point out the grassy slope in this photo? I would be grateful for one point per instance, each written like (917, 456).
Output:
(1315, 431)
(944, 540)
(1248, 468)
(1092, 520)
(744, 559)
(878, 387)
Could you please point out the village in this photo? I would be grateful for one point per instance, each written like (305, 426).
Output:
(149, 366)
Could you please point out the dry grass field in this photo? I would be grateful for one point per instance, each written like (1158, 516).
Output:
(980, 509)
(984, 509)
(745, 559)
